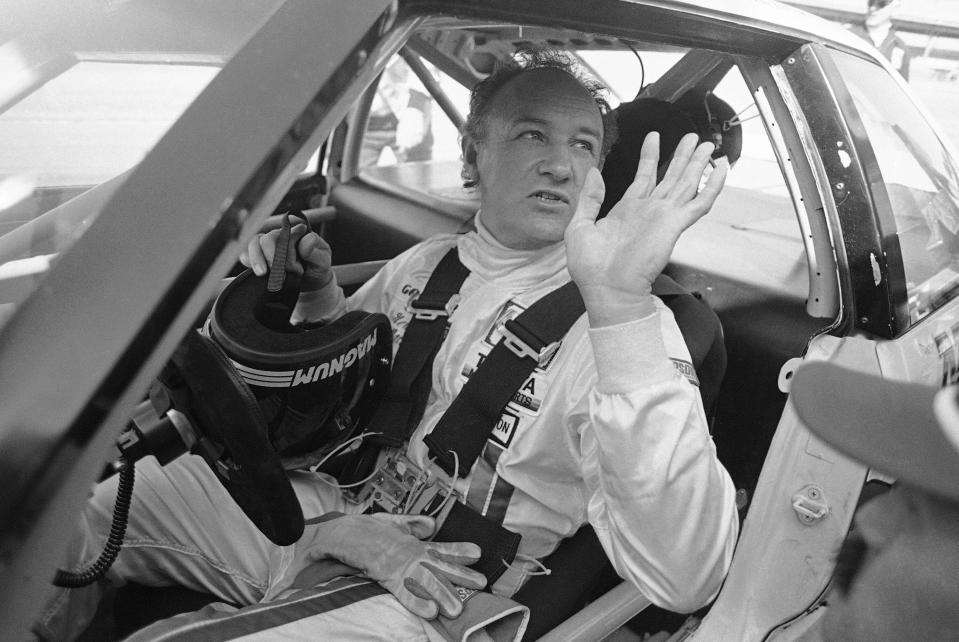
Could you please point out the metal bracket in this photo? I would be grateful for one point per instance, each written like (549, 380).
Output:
(521, 348)
(401, 487)
(424, 313)
(810, 505)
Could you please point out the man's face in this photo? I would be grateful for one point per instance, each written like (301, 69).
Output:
(900, 581)
(543, 134)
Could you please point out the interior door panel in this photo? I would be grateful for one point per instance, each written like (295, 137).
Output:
(378, 220)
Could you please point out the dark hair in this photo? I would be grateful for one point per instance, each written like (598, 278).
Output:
(522, 62)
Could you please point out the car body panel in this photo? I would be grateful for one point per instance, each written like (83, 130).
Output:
(787, 129)
(783, 564)
(847, 185)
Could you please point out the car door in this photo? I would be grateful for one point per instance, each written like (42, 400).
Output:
(888, 183)
(80, 352)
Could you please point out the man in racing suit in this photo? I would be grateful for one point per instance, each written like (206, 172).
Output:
(606, 431)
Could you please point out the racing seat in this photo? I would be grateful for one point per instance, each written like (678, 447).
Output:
(580, 570)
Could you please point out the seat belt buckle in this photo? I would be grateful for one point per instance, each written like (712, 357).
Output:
(433, 310)
(400, 487)
(525, 344)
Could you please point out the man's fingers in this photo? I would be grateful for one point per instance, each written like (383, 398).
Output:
(297, 231)
(697, 207)
(317, 261)
(688, 184)
(590, 200)
(456, 552)
(417, 599)
(684, 150)
(262, 248)
(311, 249)
(454, 568)
(440, 588)
(457, 573)
(256, 257)
(314, 249)
(714, 185)
(645, 179)
(419, 526)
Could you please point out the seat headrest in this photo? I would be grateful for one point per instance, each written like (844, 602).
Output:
(636, 119)
(715, 121)
(704, 114)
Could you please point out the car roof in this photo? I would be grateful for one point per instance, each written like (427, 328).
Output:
(214, 25)
(750, 27)
(780, 18)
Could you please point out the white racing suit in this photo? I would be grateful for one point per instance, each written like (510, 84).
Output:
(607, 431)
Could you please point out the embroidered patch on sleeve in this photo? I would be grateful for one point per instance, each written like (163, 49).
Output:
(686, 369)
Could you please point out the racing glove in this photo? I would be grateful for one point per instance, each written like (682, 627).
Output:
(389, 549)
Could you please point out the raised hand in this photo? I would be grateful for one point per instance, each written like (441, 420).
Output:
(614, 260)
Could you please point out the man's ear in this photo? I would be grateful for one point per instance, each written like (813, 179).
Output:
(468, 147)
(470, 172)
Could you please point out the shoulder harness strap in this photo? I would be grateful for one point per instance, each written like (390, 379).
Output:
(527, 341)
(403, 403)
(405, 400)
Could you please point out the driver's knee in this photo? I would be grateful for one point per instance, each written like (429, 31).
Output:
(68, 613)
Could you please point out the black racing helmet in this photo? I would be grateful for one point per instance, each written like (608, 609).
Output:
(316, 384)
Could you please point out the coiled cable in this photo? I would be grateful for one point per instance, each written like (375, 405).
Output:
(121, 512)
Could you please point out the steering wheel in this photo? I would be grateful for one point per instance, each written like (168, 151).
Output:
(202, 384)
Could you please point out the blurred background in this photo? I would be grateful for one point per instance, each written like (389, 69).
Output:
(920, 38)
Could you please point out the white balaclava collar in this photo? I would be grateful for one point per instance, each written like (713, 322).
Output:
(486, 257)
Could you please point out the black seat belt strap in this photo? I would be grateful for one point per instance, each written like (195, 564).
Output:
(527, 341)
(498, 545)
(404, 401)
(402, 407)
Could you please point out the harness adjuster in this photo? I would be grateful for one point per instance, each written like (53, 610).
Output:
(524, 343)
(426, 310)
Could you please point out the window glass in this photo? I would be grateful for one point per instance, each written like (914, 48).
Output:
(755, 209)
(409, 141)
(627, 72)
(80, 105)
(752, 233)
(108, 114)
(405, 124)
(921, 179)
(77, 130)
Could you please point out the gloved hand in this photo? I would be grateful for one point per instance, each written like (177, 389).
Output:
(320, 296)
(388, 548)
